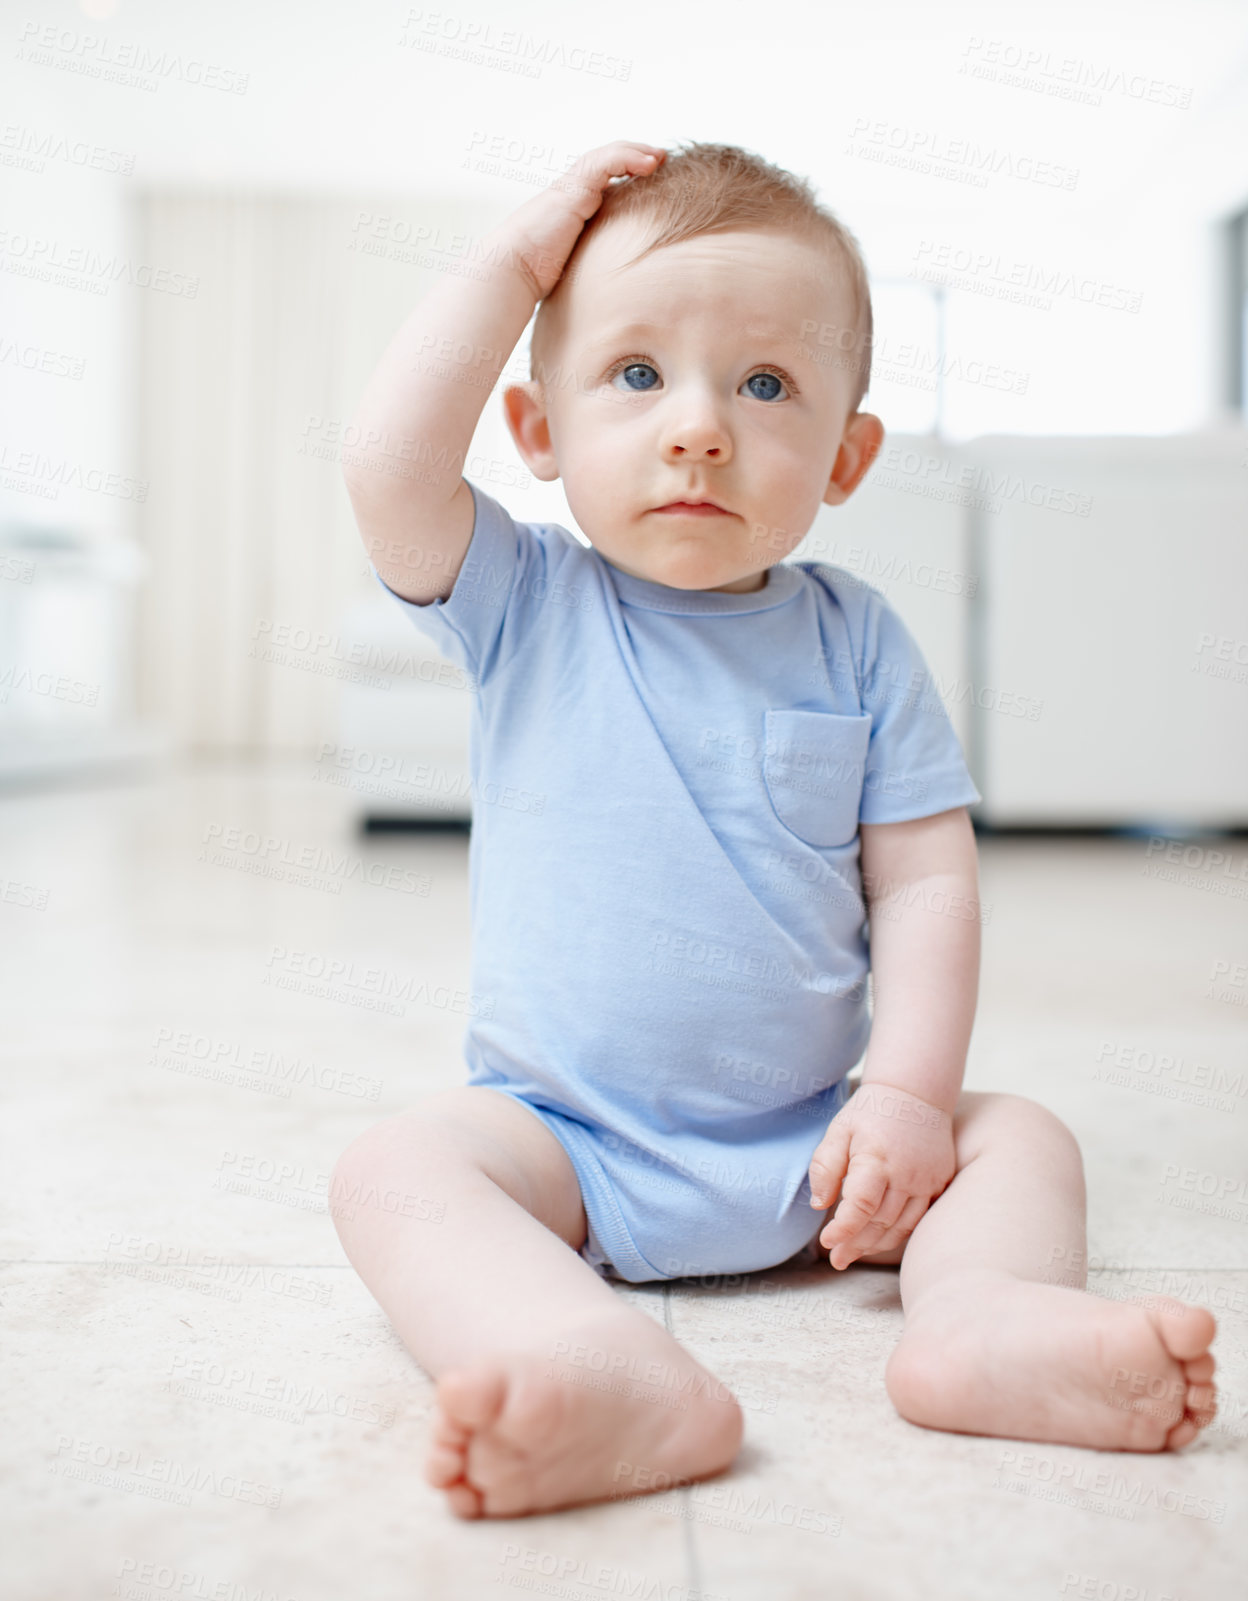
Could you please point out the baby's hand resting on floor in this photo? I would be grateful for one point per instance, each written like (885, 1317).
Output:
(891, 1154)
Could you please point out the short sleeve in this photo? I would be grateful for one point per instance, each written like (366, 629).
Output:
(480, 624)
(915, 766)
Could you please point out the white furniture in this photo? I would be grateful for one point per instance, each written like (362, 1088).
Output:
(66, 632)
(1130, 624)
(404, 719)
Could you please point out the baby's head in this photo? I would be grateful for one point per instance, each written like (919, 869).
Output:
(683, 356)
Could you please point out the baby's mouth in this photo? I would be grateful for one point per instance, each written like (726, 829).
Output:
(691, 508)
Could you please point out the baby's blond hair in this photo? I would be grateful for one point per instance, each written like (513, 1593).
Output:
(709, 188)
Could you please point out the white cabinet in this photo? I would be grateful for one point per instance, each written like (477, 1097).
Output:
(1129, 625)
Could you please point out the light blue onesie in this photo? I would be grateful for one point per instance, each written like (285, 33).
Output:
(669, 940)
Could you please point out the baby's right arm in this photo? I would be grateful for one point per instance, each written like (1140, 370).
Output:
(432, 382)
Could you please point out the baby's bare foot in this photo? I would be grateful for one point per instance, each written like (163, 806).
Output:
(988, 1353)
(615, 1407)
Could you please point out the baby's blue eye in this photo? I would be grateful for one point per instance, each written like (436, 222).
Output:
(640, 375)
(766, 379)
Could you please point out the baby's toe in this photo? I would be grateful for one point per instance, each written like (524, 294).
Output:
(443, 1466)
(464, 1501)
(1201, 1370)
(449, 1432)
(1202, 1404)
(1185, 1330)
(471, 1399)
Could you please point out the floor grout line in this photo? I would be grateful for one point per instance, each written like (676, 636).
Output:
(91, 1261)
(693, 1566)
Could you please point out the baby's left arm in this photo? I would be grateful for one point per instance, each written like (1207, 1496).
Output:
(892, 1142)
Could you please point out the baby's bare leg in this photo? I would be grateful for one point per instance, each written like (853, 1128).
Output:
(1002, 1338)
(464, 1218)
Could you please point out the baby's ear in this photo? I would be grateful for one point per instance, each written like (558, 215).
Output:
(525, 407)
(860, 445)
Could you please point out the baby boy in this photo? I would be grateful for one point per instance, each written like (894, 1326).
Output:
(712, 792)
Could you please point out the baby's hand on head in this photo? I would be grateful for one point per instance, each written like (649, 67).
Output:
(546, 228)
(890, 1154)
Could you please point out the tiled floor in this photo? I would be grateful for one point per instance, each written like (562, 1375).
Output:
(203, 1400)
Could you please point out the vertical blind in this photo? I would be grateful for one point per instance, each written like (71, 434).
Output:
(247, 524)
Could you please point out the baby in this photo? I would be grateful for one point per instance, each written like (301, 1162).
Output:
(711, 791)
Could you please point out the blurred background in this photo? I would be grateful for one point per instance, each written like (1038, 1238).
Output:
(214, 221)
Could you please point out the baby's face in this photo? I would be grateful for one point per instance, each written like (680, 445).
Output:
(681, 379)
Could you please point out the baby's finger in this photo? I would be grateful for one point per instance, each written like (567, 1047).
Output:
(590, 174)
(871, 1236)
(892, 1204)
(905, 1225)
(827, 1165)
(865, 1186)
(620, 156)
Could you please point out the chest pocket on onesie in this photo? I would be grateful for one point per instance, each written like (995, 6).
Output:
(814, 764)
